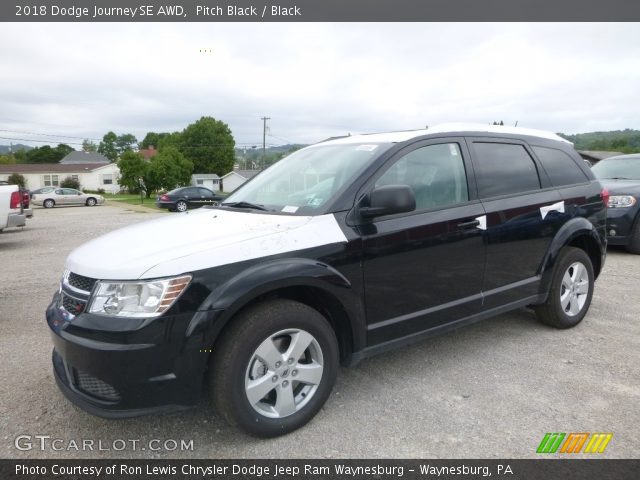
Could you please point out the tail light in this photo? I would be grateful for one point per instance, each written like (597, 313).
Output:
(26, 197)
(15, 199)
(164, 198)
(604, 194)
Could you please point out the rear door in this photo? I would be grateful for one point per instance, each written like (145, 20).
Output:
(424, 268)
(522, 210)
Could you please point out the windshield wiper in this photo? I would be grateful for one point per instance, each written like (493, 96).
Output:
(244, 205)
(619, 178)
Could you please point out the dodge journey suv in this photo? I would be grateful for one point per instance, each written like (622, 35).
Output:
(341, 250)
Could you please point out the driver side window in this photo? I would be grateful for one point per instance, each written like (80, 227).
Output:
(435, 173)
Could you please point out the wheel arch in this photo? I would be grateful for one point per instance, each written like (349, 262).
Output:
(579, 233)
(310, 282)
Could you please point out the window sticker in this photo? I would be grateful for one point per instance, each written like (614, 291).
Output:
(453, 149)
(366, 148)
(315, 202)
(290, 209)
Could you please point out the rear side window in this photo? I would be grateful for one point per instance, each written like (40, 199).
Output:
(503, 169)
(560, 167)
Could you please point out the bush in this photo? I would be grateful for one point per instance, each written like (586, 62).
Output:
(70, 182)
(17, 179)
(99, 191)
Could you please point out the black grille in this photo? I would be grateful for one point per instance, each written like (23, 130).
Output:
(72, 305)
(80, 282)
(94, 386)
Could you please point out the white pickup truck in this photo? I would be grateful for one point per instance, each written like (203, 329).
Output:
(11, 212)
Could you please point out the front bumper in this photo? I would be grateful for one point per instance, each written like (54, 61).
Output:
(620, 223)
(115, 368)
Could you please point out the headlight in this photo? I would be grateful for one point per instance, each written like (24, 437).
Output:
(621, 201)
(144, 298)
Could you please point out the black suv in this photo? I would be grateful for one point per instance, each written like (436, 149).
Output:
(339, 251)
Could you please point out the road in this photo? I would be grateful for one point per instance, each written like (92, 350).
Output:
(489, 390)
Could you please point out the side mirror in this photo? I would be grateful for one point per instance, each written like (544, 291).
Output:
(389, 199)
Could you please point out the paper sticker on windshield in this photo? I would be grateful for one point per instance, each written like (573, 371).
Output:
(367, 148)
(290, 209)
(453, 149)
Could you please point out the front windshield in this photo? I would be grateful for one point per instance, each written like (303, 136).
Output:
(307, 180)
(623, 168)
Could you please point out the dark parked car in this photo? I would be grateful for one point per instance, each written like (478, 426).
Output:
(342, 250)
(621, 176)
(183, 198)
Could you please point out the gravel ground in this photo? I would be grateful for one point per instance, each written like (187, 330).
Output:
(489, 390)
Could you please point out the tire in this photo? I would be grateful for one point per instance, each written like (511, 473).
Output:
(267, 397)
(91, 202)
(634, 241)
(181, 206)
(48, 203)
(571, 290)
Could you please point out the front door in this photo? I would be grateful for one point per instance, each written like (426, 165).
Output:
(424, 268)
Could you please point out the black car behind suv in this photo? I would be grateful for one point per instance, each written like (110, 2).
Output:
(337, 252)
(183, 198)
(621, 177)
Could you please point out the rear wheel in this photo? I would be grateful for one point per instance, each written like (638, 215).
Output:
(91, 202)
(571, 290)
(634, 242)
(181, 206)
(48, 203)
(274, 368)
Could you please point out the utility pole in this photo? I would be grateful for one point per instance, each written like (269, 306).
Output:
(264, 138)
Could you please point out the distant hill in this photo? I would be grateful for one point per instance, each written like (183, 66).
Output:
(627, 141)
(18, 146)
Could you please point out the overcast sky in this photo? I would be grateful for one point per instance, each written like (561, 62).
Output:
(314, 80)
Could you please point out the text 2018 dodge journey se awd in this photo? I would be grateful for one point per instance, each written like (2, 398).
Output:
(339, 251)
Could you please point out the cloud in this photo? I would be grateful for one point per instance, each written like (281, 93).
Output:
(316, 80)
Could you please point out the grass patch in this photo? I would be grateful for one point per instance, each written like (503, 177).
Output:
(133, 199)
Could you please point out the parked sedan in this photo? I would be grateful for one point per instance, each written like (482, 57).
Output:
(183, 198)
(66, 196)
(621, 176)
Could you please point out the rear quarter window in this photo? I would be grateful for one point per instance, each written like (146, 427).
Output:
(503, 169)
(560, 167)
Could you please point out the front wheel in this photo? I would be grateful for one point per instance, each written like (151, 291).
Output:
(571, 290)
(275, 368)
(634, 242)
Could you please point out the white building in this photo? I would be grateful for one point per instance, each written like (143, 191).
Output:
(91, 176)
(207, 180)
(235, 178)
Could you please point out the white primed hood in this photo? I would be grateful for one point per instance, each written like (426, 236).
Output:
(197, 240)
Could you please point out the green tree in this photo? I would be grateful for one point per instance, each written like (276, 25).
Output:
(168, 170)
(153, 139)
(70, 182)
(209, 144)
(20, 156)
(169, 140)
(125, 143)
(132, 168)
(89, 146)
(7, 159)
(46, 154)
(17, 179)
(108, 146)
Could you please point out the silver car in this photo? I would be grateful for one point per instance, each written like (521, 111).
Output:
(66, 196)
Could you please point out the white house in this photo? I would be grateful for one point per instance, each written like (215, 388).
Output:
(235, 178)
(208, 180)
(91, 176)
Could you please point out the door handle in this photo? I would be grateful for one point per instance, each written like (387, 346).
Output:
(467, 225)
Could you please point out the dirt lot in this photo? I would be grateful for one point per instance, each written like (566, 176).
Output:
(490, 390)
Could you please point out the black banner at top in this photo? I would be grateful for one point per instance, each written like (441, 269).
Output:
(318, 10)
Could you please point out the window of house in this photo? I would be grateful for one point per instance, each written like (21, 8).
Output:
(435, 173)
(503, 169)
(51, 180)
(200, 182)
(75, 177)
(560, 167)
(107, 179)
